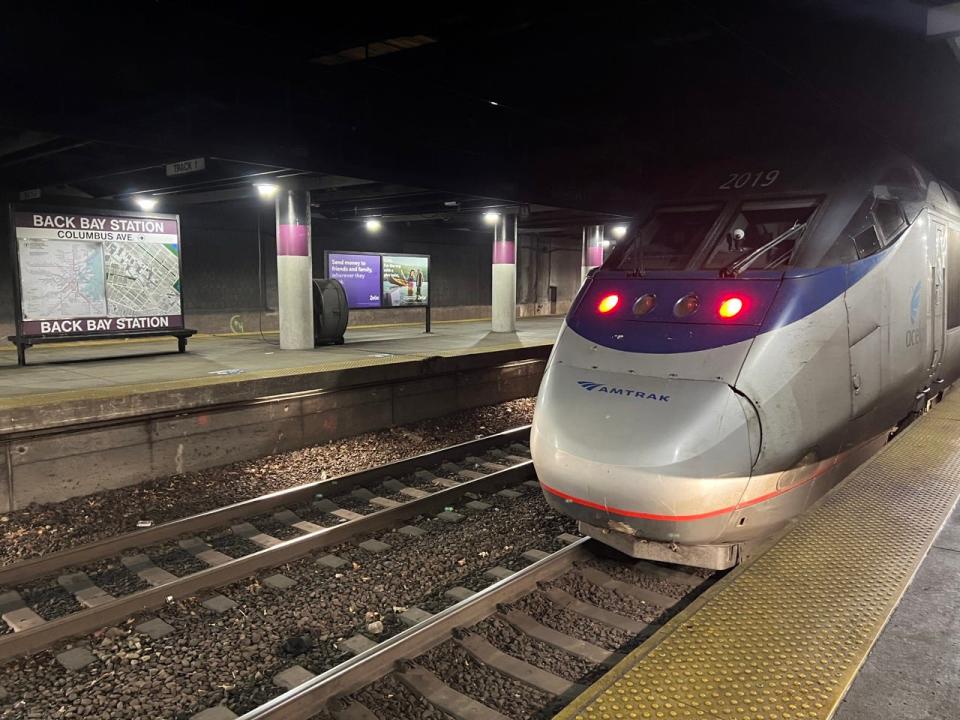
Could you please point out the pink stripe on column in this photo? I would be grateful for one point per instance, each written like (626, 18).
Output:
(504, 253)
(594, 256)
(293, 240)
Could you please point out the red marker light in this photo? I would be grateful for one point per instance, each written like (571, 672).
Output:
(608, 303)
(730, 308)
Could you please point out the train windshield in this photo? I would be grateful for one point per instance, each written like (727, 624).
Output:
(756, 224)
(668, 240)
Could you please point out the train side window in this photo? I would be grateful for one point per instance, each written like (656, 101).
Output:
(890, 219)
(867, 242)
(953, 278)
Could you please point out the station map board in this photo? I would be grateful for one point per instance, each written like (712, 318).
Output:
(96, 273)
(381, 280)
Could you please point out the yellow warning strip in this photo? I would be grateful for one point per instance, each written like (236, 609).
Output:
(785, 636)
(10, 347)
(114, 391)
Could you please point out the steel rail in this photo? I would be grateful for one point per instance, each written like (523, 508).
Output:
(311, 697)
(28, 570)
(85, 621)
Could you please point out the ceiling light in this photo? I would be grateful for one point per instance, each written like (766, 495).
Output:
(266, 190)
(373, 225)
(491, 218)
(619, 231)
(146, 203)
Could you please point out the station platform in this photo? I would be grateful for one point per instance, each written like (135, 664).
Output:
(66, 383)
(86, 418)
(789, 634)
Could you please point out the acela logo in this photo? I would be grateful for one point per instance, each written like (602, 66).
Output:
(915, 304)
(625, 392)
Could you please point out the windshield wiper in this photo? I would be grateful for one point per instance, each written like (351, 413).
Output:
(737, 266)
(638, 268)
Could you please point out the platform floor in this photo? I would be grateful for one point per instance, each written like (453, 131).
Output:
(786, 636)
(913, 672)
(66, 371)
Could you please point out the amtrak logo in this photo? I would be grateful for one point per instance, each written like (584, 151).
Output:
(624, 392)
(915, 304)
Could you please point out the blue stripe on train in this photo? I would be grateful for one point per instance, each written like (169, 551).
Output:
(801, 293)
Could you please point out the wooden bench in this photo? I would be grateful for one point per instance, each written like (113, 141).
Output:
(22, 343)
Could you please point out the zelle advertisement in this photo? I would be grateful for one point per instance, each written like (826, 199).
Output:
(379, 280)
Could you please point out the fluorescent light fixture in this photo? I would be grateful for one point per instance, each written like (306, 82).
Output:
(146, 203)
(373, 225)
(266, 190)
(491, 218)
(619, 231)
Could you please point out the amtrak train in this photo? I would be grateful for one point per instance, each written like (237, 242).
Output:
(766, 327)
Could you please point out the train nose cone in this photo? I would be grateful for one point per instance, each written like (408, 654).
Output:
(666, 459)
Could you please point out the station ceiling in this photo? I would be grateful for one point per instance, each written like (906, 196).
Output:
(572, 106)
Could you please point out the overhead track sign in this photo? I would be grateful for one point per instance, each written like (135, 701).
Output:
(185, 167)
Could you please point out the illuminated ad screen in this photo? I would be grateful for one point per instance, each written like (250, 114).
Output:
(374, 280)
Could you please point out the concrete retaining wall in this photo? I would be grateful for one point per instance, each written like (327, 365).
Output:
(57, 463)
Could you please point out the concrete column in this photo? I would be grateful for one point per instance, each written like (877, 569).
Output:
(294, 270)
(592, 250)
(505, 274)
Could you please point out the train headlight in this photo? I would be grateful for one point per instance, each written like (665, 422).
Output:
(687, 305)
(608, 303)
(644, 304)
(730, 308)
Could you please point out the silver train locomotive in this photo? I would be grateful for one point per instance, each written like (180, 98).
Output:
(763, 331)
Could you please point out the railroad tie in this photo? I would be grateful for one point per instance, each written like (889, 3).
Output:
(445, 698)
(581, 648)
(351, 711)
(484, 652)
(651, 597)
(218, 712)
(288, 517)
(346, 514)
(382, 502)
(415, 493)
(253, 534)
(566, 601)
(292, 677)
(144, 568)
(16, 614)
(676, 576)
(84, 589)
(203, 552)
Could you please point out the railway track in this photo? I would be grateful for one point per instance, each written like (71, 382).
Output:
(221, 546)
(516, 645)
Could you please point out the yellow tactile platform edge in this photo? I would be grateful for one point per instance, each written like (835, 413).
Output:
(785, 637)
(99, 393)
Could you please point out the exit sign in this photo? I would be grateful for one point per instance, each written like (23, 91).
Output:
(185, 167)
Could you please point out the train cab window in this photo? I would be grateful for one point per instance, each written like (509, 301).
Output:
(668, 240)
(867, 242)
(757, 223)
(890, 219)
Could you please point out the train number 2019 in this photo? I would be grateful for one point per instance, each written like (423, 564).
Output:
(761, 178)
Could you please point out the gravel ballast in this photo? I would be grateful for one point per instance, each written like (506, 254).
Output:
(233, 657)
(37, 530)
